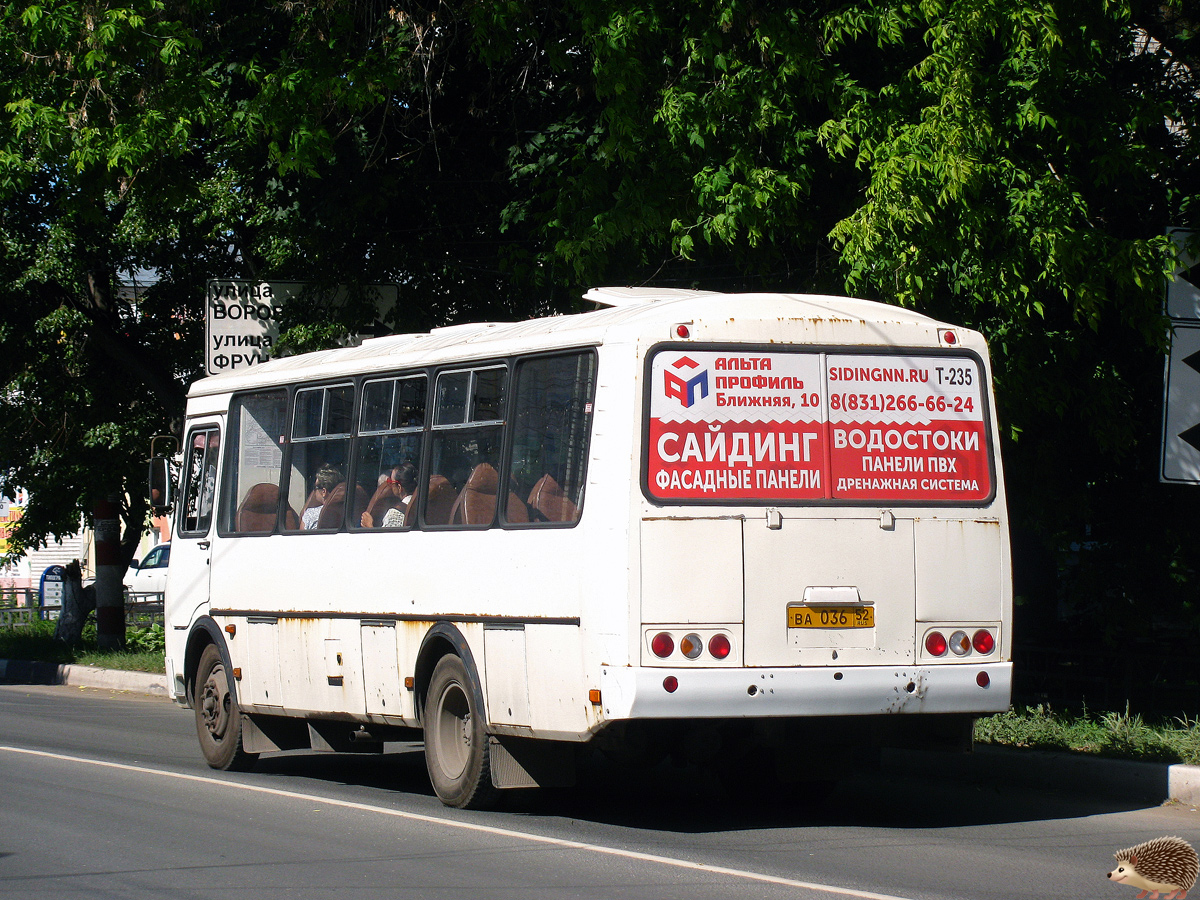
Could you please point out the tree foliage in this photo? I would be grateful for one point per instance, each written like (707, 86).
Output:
(1008, 164)
(1012, 165)
(1020, 171)
(154, 137)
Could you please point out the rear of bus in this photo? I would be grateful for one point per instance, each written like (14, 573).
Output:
(823, 542)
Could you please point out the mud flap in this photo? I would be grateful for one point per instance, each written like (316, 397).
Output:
(268, 734)
(525, 763)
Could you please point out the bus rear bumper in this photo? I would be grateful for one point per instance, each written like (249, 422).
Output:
(641, 693)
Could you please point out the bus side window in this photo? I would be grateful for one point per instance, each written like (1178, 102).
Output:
(199, 489)
(320, 438)
(250, 495)
(388, 450)
(468, 428)
(552, 422)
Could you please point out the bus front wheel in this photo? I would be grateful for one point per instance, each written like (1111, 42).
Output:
(218, 719)
(456, 741)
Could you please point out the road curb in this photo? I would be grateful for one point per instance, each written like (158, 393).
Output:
(1093, 776)
(1184, 784)
(21, 671)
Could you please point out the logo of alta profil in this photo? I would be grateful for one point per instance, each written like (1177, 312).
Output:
(687, 386)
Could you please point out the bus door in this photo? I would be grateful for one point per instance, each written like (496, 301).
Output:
(188, 573)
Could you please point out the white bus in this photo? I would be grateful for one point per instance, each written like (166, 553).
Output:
(760, 518)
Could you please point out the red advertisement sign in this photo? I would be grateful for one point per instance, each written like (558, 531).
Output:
(810, 426)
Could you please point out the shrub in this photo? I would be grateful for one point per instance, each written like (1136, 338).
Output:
(1111, 734)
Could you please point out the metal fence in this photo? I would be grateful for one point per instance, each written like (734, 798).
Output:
(10, 597)
(141, 610)
(144, 609)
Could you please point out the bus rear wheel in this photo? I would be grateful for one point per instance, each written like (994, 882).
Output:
(218, 719)
(456, 741)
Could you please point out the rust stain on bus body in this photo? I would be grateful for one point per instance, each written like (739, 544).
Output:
(909, 690)
(336, 716)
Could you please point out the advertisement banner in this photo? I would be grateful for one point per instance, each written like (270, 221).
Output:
(907, 428)
(10, 514)
(754, 426)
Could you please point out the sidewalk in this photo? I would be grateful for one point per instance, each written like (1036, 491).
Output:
(22, 671)
(1115, 778)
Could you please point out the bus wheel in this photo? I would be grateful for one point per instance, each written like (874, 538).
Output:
(456, 742)
(218, 720)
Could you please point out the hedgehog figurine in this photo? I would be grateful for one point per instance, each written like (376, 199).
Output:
(1166, 864)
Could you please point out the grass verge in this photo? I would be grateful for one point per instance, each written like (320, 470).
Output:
(1109, 734)
(143, 648)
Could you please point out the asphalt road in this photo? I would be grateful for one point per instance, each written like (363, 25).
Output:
(105, 795)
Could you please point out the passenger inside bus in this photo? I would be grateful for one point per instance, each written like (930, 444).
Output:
(386, 509)
(326, 481)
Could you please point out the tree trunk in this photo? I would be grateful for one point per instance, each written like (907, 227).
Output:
(76, 604)
(110, 592)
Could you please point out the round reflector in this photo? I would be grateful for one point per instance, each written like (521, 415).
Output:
(982, 679)
(718, 646)
(670, 683)
(960, 643)
(682, 331)
(935, 644)
(984, 642)
(662, 644)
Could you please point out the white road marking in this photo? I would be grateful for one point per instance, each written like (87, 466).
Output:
(471, 826)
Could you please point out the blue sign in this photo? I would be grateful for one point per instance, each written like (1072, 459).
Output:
(50, 590)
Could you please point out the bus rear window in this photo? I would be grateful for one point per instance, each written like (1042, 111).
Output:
(749, 426)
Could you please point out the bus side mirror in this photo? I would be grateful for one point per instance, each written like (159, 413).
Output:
(161, 498)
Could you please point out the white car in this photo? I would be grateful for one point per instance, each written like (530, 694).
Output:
(149, 577)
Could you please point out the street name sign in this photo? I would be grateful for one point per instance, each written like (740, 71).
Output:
(241, 322)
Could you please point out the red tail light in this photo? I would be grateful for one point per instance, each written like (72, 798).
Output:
(662, 644)
(935, 644)
(718, 646)
(983, 642)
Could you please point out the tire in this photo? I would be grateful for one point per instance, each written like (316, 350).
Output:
(218, 719)
(456, 741)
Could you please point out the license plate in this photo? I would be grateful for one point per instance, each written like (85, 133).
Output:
(831, 617)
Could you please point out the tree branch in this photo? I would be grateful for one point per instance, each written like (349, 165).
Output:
(127, 354)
